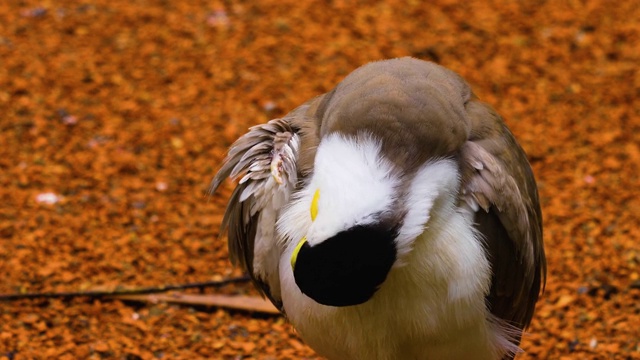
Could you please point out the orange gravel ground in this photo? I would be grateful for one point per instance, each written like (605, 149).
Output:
(114, 116)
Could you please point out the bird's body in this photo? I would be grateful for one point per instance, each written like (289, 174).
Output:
(394, 217)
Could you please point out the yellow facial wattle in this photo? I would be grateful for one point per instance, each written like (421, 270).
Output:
(314, 205)
(294, 256)
(314, 212)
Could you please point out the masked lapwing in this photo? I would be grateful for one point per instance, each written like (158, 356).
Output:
(394, 217)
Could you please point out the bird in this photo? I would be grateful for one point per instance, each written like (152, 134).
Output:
(393, 217)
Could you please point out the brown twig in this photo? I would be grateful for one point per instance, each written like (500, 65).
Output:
(136, 291)
(233, 302)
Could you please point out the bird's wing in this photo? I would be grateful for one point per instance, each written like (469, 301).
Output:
(498, 183)
(267, 161)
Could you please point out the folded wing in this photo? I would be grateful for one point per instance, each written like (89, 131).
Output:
(498, 183)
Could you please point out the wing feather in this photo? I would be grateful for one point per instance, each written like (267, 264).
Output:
(497, 177)
(265, 161)
(270, 162)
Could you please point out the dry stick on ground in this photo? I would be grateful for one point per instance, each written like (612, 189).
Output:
(236, 302)
(152, 295)
(117, 292)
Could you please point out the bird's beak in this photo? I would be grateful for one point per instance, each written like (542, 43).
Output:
(347, 268)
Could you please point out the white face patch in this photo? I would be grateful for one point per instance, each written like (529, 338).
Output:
(353, 181)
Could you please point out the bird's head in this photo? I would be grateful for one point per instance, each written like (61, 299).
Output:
(348, 247)
(352, 222)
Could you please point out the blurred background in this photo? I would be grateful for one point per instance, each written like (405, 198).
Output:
(115, 115)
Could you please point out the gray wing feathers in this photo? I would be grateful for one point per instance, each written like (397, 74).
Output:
(493, 185)
(497, 181)
(265, 161)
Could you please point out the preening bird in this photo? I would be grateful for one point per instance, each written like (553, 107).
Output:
(394, 217)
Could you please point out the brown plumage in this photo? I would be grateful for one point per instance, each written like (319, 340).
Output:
(419, 111)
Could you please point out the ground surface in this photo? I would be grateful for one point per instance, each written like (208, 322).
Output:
(122, 111)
